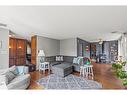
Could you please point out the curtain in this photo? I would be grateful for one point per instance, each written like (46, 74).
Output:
(122, 47)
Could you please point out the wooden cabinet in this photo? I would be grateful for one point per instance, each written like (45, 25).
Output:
(33, 49)
(12, 51)
(17, 51)
(21, 52)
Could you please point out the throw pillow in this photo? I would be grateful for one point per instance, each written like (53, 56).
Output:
(20, 70)
(10, 76)
(80, 60)
(75, 60)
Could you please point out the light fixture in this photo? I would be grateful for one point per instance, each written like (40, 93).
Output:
(9, 46)
(100, 41)
(20, 47)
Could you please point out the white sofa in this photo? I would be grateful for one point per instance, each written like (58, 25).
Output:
(16, 77)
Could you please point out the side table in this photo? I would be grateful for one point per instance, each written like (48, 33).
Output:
(44, 66)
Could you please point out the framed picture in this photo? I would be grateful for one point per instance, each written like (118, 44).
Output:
(0, 44)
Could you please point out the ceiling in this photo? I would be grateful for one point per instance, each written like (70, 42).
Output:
(60, 22)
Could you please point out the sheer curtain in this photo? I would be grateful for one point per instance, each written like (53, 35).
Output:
(122, 47)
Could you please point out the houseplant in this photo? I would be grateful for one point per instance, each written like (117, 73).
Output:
(118, 67)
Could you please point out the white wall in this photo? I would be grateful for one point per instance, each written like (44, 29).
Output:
(50, 46)
(68, 47)
(4, 50)
(53, 47)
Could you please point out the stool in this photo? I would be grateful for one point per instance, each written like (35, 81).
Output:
(89, 70)
(86, 71)
(82, 71)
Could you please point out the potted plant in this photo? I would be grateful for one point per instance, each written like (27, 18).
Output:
(120, 73)
(123, 75)
(116, 66)
(125, 83)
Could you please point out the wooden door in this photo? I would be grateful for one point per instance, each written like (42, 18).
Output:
(33, 49)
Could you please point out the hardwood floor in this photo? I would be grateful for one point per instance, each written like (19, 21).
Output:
(102, 73)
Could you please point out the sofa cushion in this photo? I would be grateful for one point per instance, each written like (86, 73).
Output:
(75, 60)
(80, 60)
(63, 65)
(55, 63)
(9, 75)
(14, 70)
(19, 82)
(3, 78)
(20, 78)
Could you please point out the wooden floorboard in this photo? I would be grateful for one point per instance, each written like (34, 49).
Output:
(103, 73)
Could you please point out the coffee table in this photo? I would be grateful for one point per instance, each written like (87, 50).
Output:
(62, 69)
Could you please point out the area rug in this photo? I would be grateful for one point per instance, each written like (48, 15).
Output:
(69, 82)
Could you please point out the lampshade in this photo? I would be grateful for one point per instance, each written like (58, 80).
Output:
(41, 53)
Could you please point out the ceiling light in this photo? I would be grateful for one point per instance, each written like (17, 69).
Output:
(100, 41)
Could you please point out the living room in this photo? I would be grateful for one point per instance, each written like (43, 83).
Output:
(62, 47)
